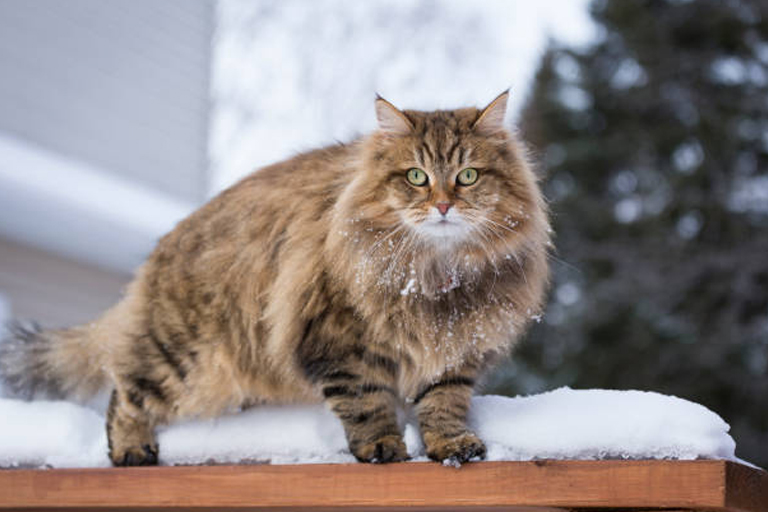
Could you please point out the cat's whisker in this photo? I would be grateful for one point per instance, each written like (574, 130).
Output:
(378, 243)
(489, 255)
(485, 224)
(405, 246)
(393, 246)
(567, 265)
(489, 226)
(396, 249)
(477, 229)
(484, 219)
(479, 223)
(513, 254)
(499, 225)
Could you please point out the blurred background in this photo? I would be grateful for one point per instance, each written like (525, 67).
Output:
(648, 120)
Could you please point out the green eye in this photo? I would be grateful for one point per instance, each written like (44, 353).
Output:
(467, 177)
(416, 177)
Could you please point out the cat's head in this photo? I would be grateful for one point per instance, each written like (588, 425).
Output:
(448, 176)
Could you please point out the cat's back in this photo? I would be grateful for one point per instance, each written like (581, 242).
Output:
(239, 242)
(265, 203)
(305, 185)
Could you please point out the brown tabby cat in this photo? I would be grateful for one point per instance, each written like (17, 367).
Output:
(398, 266)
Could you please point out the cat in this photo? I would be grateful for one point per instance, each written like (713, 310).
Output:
(389, 271)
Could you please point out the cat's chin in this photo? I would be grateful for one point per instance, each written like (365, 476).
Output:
(443, 233)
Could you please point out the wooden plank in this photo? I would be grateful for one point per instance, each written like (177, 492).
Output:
(541, 485)
(746, 489)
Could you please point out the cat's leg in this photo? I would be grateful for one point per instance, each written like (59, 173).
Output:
(442, 407)
(358, 383)
(149, 378)
(130, 432)
(368, 412)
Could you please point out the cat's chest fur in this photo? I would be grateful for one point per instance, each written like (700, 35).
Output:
(451, 333)
(435, 309)
(441, 321)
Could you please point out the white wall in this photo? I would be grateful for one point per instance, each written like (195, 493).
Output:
(103, 144)
(103, 123)
(122, 85)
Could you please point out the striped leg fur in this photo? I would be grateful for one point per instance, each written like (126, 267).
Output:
(359, 389)
(442, 408)
(130, 433)
(368, 413)
(358, 384)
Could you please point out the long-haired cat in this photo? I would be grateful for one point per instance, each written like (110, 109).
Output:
(392, 269)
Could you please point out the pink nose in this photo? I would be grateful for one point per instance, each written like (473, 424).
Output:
(443, 207)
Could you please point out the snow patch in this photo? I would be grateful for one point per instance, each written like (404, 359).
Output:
(410, 287)
(51, 434)
(561, 424)
(599, 424)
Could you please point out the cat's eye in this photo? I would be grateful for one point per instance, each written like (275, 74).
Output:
(416, 177)
(467, 176)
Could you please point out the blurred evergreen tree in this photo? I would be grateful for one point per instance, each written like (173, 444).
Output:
(654, 144)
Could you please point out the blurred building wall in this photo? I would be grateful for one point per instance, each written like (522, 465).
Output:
(103, 144)
(122, 85)
(55, 291)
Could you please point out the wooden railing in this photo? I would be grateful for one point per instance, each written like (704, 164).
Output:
(516, 486)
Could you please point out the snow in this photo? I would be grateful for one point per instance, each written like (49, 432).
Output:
(410, 287)
(600, 424)
(56, 434)
(561, 424)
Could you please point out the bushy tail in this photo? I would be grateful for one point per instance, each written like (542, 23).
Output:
(54, 364)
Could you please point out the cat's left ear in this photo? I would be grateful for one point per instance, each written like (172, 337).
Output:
(391, 119)
(491, 119)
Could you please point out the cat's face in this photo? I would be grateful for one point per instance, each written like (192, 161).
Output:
(445, 189)
(450, 176)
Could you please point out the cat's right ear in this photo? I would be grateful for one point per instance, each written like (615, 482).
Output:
(491, 119)
(391, 119)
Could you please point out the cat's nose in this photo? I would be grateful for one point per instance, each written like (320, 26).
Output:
(443, 207)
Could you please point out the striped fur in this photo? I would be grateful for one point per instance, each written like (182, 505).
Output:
(310, 280)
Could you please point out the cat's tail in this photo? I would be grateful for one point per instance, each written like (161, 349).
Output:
(54, 364)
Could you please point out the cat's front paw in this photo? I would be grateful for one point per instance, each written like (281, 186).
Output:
(389, 448)
(454, 450)
(145, 455)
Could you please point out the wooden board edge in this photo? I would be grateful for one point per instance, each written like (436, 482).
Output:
(746, 488)
(689, 485)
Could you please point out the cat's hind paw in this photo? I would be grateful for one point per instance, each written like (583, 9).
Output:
(145, 455)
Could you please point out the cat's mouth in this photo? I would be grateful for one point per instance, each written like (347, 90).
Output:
(449, 227)
(444, 228)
